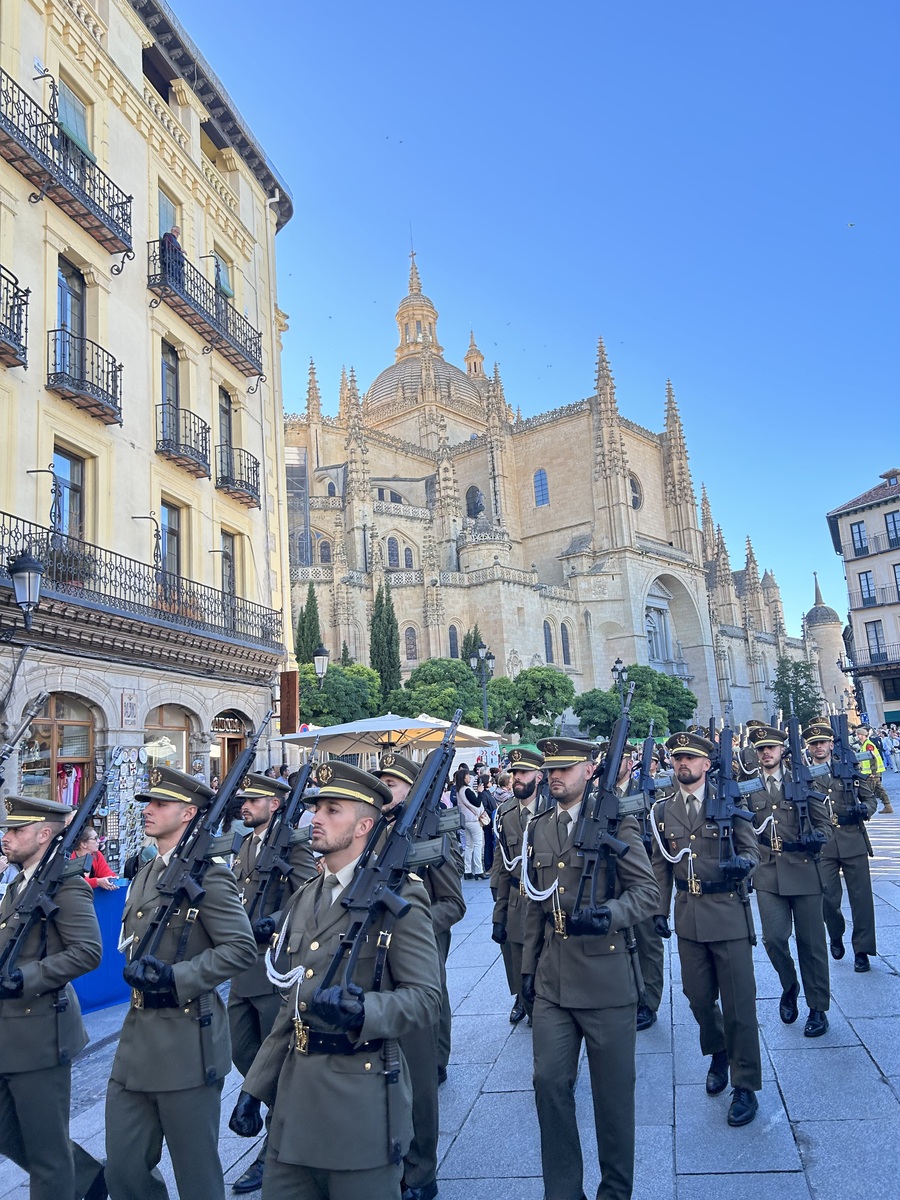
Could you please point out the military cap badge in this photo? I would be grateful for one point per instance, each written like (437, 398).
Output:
(387, 760)
(9, 807)
(550, 747)
(247, 782)
(324, 773)
(516, 756)
(155, 777)
(682, 740)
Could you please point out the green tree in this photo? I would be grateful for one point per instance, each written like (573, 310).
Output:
(796, 681)
(470, 643)
(309, 633)
(544, 695)
(504, 709)
(384, 641)
(342, 697)
(597, 711)
(656, 695)
(642, 714)
(439, 687)
(346, 660)
(372, 682)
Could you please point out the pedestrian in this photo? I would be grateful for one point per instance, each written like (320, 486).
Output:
(422, 1046)
(847, 853)
(485, 796)
(253, 1000)
(474, 816)
(873, 767)
(788, 884)
(41, 1029)
(578, 974)
(174, 1049)
(100, 874)
(713, 922)
(332, 1061)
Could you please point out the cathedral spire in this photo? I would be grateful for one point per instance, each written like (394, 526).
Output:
(604, 383)
(416, 319)
(819, 601)
(679, 485)
(474, 359)
(752, 569)
(344, 398)
(415, 283)
(313, 397)
(708, 529)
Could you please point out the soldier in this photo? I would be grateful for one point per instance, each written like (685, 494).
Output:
(508, 919)
(40, 1020)
(580, 979)
(332, 1054)
(847, 852)
(712, 922)
(873, 767)
(174, 1050)
(253, 1001)
(788, 885)
(420, 1046)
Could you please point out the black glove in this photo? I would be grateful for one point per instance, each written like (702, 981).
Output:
(263, 930)
(344, 1008)
(860, 811)
(661, 927)
(814, 841)
(527, 990)
(151, 975)
(245, 1121)
(11, 985)
(739, 867)
(498, 932)
(589, 921)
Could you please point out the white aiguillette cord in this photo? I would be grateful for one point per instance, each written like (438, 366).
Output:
(531, 891)
(509, 863)
(282, 980)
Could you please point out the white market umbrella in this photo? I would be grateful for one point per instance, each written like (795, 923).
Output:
(379, 733)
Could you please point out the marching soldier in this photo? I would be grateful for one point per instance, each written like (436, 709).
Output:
(40, 1020)
(713, 924)
(848, 853)
(788, 885)
(332, 1062)
(174, 1050)
(420, 1046)
(253, 1001)
(581, 983)
(508, 919)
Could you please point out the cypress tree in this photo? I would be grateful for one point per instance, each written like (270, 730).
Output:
(309, 634)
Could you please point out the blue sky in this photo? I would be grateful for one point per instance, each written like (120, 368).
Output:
(710, 186)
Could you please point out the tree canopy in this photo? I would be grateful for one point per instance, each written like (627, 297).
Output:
(795, 680)
(309, 633)
(342, 697)
(438, 687)
(657, 696)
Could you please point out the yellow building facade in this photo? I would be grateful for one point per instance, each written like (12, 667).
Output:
(140, 399)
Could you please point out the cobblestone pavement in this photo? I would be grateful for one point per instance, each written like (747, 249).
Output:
(829, 1120)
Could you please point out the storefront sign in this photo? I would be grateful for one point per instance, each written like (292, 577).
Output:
(229, 725)
(129, 710)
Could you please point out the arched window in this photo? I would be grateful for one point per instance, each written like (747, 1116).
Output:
(454, 642)
(408, 559)
(566, 649)
(331, 489)
(541, 490)
(412, 653)
(324, 552)
(474, 502)
(393, 552)
(548, 643)
(637, 492)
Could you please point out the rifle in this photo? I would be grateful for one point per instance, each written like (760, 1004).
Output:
(182, 879)
(30, 713)
(798, 789)
(845, 769)
(35, 901)
(647, 786)
(723, 808)
(373, 895)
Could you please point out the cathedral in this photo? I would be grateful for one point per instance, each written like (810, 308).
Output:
(572, 537)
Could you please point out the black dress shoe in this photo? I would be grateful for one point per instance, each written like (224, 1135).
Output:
(251, 1180)
(645, 1017)
(98, 1189)
(518, 1012)
(717, 1075)
(744, 1106)
(427, 1191)
(787, 1007)
(837, 949)
(816, 1023)
(861, 963)
(442, 1075)
(468, 875)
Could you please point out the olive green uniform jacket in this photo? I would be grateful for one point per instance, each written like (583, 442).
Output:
(786, 872)
(848, 840)
(510, 906)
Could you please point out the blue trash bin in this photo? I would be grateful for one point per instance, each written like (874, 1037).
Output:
(105, 986)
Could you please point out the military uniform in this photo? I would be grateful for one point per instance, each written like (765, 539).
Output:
(713, 923)
(585, 990)
(320, 1081)
(651, 954)
(788, 885)
(41, 1030)
(171, 1062)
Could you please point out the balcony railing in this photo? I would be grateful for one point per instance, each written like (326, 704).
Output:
(876, 543)
(183, 438)
(13, 321)
(237, 474)
(879, 595)
(86, 374)
(186, 290)
(32, 140)
(98, 578)
(867, 659)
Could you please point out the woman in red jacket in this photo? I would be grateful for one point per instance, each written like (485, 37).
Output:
(101, 874)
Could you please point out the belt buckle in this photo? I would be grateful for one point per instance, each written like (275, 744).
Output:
(559, 922)
(694, 886)
(301, 1036)
(775, 842)
(522, 891)
(137, 999)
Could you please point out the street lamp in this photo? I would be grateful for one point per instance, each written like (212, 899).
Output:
(620, 675)
(482, 663)
(320, 661)
(26, 574)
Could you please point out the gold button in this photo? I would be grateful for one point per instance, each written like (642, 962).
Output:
(187, 1010)
(313, 945)
(309, 973)
(2, 925)
(562, 889)
(693, 837)
(774, 806)
(140, 914)
(368, 1066)
(302, 1006)
(612, 947)
(560, 865)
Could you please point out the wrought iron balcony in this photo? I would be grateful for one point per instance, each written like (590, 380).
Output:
(874, 597)
(32, 140)
(13, 321)
(868, 661)
(100, 580)
(876, 543)
(183, 438)
(86, 374)
(237, 474)
(187, 290)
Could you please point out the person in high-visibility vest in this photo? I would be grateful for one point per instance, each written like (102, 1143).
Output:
(873, 767)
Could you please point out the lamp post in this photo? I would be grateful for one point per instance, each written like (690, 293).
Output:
(620, 675)
(26, 574)
(482, 663)
(320, 662)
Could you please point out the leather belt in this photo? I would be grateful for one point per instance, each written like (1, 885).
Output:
(153, 999)
(790, 847)
(706, 886)
(849, 820)
(310, 1041)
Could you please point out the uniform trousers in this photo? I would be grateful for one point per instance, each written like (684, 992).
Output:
(250, 1021)
(446, 1018)
(777, 914)
(137, 1122)
(710, 970)
(419, 1048)
(859, 892)
(609, 1035)
(652, 957)
(288, 1181)
(512, 961)
(34, 1133)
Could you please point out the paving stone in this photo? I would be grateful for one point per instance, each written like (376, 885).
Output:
(881, 1037)
(658, 1037)
(490, 994)
(514, 1066)
(859, 1164)
(778, 1036)
(654, 1097)
(474, 952)
(764, 1186)
(477, 1143)
(478, 1039)
(457, 1096)
(491, 1188)
(654, 1163)
(868, 995)
(828, 1085)
(706, 1145)
(691, 1066)
(461, 980)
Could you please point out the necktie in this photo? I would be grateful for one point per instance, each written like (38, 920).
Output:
(524, 817)
(325, 897)
(772, 787)
(562, 827)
